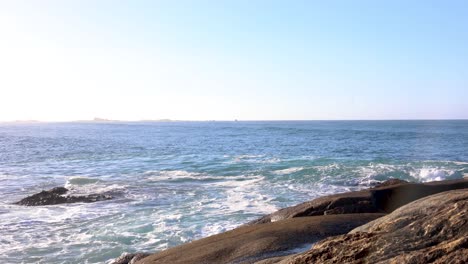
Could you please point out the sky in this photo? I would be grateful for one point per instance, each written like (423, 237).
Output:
(239, 59)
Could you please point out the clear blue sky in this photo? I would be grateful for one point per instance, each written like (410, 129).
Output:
(224, 60)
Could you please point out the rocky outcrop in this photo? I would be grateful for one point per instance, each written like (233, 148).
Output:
(248, 244)
(430, 230)
(390, 183)
(129, 258)
(384, 198)
(57, 196)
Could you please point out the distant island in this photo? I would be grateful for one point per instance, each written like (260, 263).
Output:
(105, 120)
(21, 121)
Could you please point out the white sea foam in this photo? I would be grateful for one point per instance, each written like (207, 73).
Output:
(215, 228)
(171, 173)
(271, 160)
(288, 170)
(254, 159)
(460, 163)
(323, 189)
(79, 185)
(177, 175)
(52, 230)
(5, 177)
(245, 196)
(366, 175)
(431, 174)
(329, 167)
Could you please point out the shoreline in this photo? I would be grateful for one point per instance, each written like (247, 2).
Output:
(289, 230)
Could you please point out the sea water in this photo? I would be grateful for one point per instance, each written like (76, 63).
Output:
(174, 182)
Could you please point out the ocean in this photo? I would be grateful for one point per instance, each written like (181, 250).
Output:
(174, 182)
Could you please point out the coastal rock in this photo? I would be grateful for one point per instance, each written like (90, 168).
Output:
(390, 183)
(248, 244)
(129, 258)
(433, 229)
(383, 198)
(57, 196)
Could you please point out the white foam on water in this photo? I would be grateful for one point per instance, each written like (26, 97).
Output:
(366, 175)
(52, 230)
(171, 173)
(459, 162)
(262, 159)
(178, 175)
(80, 185)
(245, 196)
(329, 167)
(216, 228)
(288, 170)
(271, 160)
(323, 189)
(431, 174)
(97, 188)
(5, 177)
(247, 156)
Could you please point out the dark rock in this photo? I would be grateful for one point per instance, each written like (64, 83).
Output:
(129, 258)
(57, 196)
(381, 199)
(433, 229)
(391, 182)
(59, 190)
(248, 244)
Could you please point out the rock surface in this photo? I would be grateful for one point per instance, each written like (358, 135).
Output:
(248, 244)
(129, 258)
(384, 198)
(430, 230)
(57, 196)
(407, 235)
(391, 182)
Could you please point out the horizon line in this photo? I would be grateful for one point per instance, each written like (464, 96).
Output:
(219, 120)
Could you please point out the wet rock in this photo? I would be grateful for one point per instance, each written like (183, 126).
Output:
(57, 196)
(129, 258)
(384, 198)
(390, 183)
(433, 229)
(248, 244)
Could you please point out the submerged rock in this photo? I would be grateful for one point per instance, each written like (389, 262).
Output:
(57, 196)
(383, 198)
(430, 230)
(248, 244)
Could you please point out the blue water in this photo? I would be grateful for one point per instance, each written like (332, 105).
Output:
(178, 181)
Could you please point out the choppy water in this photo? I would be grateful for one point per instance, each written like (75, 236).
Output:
(179, 181)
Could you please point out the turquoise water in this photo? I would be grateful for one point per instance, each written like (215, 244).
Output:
(178, 181)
